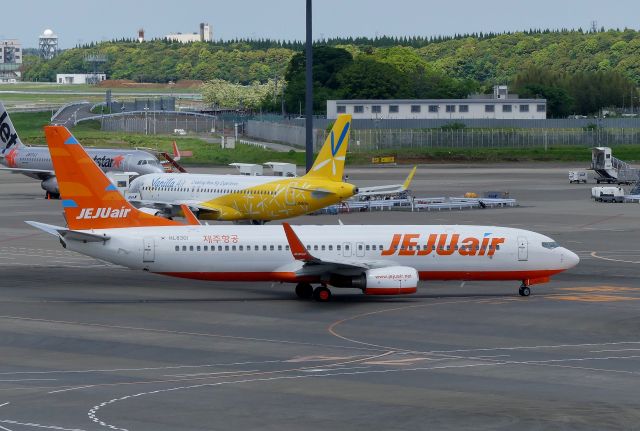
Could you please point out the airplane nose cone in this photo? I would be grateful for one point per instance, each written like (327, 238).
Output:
(569, 259)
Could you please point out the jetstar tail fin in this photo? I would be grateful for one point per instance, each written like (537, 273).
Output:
(330, 161)
(9, 138)
(89, 199)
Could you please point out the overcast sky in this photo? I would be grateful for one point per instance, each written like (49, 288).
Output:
(82, 21)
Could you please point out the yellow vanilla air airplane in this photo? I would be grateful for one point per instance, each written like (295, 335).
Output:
(255, 198)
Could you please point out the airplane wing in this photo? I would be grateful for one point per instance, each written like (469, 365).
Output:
(205, 211)
(316, 193)
(300, 253)
(39, 174)
(389, 189)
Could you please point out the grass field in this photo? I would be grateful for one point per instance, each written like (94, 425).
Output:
(29, 127)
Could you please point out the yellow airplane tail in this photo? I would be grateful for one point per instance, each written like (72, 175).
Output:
(329, 164)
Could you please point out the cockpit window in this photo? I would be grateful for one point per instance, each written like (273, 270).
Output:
(550, 245)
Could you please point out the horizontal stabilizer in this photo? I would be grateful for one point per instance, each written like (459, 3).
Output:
(68, 234)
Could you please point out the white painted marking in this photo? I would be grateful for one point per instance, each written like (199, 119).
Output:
(31, 424)
(92, 413)
(74, 388)
(490, 356)
(552, 346)
(27, 380)
(607, 351)
(210, 374)
(171, 367)
(2, 405)
(4, 429)
(594, 254)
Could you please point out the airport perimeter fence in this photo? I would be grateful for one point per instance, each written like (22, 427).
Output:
(159, 122)
(393, 139)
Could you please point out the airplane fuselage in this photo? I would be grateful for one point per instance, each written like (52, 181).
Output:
(250, 253)
(240, 197)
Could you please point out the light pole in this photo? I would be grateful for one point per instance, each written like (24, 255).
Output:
(146, 120)
(309, 92)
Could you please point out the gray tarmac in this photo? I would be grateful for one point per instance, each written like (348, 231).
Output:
(86, 345)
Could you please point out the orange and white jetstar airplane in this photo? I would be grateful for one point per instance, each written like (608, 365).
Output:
(379, 260)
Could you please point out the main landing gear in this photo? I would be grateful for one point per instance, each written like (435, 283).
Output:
(524, 290)
(306, 291)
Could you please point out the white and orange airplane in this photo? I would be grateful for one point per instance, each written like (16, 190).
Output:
(379, 260)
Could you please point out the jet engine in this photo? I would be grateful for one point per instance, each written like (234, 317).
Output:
(392, 280)
(50, 185)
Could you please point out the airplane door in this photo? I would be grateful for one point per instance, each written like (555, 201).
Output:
(290, 196)
(523, 248)
(346, 249)
(149, 250)
(359, 249)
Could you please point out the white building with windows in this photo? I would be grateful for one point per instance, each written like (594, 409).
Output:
(501, 105)
(10, 60)
(204, 35)
(80, 78)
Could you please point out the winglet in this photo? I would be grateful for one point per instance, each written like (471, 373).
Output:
(406, 183)
(176, 152)
(298, 249)
(189, 216)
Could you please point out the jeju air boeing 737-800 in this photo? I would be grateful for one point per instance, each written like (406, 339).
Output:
(379, 260)
(255, 198)
(35, 162)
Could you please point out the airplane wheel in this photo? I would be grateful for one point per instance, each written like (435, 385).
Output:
(304, 290)
(321, 294)
(524, 291)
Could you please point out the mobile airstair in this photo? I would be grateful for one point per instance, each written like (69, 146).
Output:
(610, 170)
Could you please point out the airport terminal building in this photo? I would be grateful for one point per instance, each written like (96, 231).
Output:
(499, 105)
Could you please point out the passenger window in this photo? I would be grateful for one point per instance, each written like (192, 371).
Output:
(315, 247)
(219, 248)
(233, 248)
(280, 247)
(264, 248)
(226, 248)
(206, 248)
(184, 248)
(240, 248)
(338, 247)
(330, 248)
(286, 247)
(322, 248)
(198, 248)
(271, 247)
(177, 248)
(256, 248)
(190, 248)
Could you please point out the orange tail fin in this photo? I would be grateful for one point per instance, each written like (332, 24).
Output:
(89, 199)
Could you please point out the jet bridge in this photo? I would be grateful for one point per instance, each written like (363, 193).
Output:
(610, 169)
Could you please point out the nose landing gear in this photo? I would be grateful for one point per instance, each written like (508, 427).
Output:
(524, 289)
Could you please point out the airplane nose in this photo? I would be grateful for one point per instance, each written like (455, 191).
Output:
(569, 259)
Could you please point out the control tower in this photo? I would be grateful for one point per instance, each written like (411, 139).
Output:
(48, 44)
